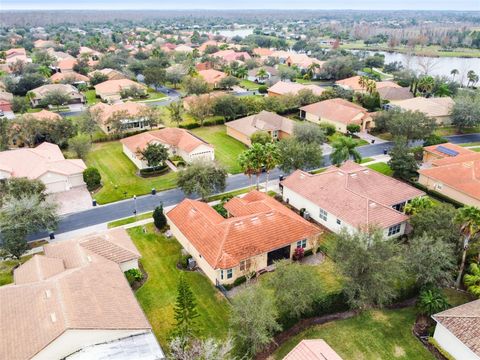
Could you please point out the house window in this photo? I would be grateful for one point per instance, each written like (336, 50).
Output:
(323, 214)
(392, 230)
(275, 134)
(229, 273)
(221, 274)
(438, 186)
(339, 222)
(245, 264)
(399, 207)
(302, 244)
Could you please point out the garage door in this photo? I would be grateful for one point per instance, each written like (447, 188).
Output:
(57, 186)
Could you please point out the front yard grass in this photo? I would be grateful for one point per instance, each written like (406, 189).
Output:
(375, 334)
(249, 85)
(119, 174)
(6, 269)
(152, 96)
(382, 168)
(227, 148)
(452, 130)
(130, 220)
(157, 296)
(91, 97)
(359, 142)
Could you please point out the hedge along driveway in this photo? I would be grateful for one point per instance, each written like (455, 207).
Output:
(119, 174)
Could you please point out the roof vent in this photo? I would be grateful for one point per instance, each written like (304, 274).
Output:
(238, 223)
(253, 219)
(53, 317)
(48, 294)
(468, 164)
(365, 171)
(373, 205)
(353, 175)
(89, 258)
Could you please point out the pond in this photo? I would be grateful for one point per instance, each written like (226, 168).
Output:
(237, 32)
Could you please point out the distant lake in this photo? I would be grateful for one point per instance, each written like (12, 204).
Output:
(435, 65)
(238, 32)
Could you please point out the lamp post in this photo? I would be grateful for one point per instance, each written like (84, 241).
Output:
(135, 207)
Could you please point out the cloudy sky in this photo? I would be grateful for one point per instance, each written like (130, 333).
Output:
(244, 4)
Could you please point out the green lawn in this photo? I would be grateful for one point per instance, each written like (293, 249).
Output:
(457, 298)
(366, 160)
(157, 295)
(249, 85)
(91, 97)
(6, 269)
(452, 130)
(476, 143)
(372, 335)
(332, 138)
(119, 174)
(230, 194)
(227, 148)
(152, 96)
(381, 167)
(130, 220)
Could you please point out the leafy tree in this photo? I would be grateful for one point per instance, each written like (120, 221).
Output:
(372, 267)
(60, 131)
(247, 165)
(201, 107)
(228, 82)
(353, 128)
(418, 204)
(271, 157)
(431, 260)
(26, 83)
(195, 85)
(176, 109)
(42, 57)
(260, 137)
(434, 139)
(80, 145)
(154, 154)
(175, 76)
(22, 216)
(159, 218)
(202, 178)
(185, 311)
(376, 61)
(306, 97)
(308, 133)
(20, 104)
(56, 98)
(253, 330)
(402, 161)
(294, 154)
(343, 150)
(154, 76)
(97, 78)
(466, 111)
(472, 279)
(469, 219)
(287, 73)
(256, 159)
(82, 67)
(338, 68)
(87, 124)
(16, 187)
(92, 178)
(432, 301)
(4, 133)
(295, 289)
(228, 106)
(134, 92)
(413, 125)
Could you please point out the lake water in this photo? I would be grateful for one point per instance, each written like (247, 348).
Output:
(232, 33)
(435, 66)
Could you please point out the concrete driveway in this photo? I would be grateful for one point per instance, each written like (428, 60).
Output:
(72, 201)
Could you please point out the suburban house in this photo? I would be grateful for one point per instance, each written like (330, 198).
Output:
(212, 76)
(6, 100)
(45, 115)
(39, 93)
(178, 142)
(110, 90)
(112, 74)
(316, 349)
(303, 61)
(352, 197)
(353, 83)
(394, 93)
(187, 101)
(131, 112)
(69, 77)
(65, 65)
(277, 126)
(17, 54)
(74, 302)
(258, 231)
(457, 331)
(45, 163)
(44, 44)
(262, 52)
(184, 48)
(338, 112)
(93, 56)
(453, 171)
(284, 88)
(271, 73)
(231, 55)
(439, 108)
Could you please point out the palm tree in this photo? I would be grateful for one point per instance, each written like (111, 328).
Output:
(363, 81)
(472, 279)
(418, 204)
(432, 302)
(454, 73)
(242, 72)
(471, 77)
(271, 159)
(312, 70)
(44, 71)
(469, 219)
(262, 74)
(227, 69)
(426, 85)
(343, 150)
(246, 165)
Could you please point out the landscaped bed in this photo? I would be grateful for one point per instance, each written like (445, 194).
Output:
(119, 174)
(157, 296)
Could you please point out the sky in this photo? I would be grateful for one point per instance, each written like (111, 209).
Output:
(243, 4)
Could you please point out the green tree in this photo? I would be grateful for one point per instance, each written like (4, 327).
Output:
(20, 104)
(431, 260)
(412, 125)
(154, 76)
(432, 301)
(16, 187)
(228, 82)
(154, 154)
(247, 165)
(469, 219)
(87, 124)
(185, 311)
(56, 98)
(402, 161)
(472, 279)
(176, 109)
(253, 330)
(418, 204)
(466, 111)
(343, 150)
(92, 178)
(353, 128)
(203, 178)
(294, 155)
(97, 78)
(201, 107)
(372, 267)
(159, 218)
(425, 85)
(260, 137)
(228, 106)
(4, 133)
(195, 85)
(256, 157)
(309, 133)
(454, 73)
(80, 145)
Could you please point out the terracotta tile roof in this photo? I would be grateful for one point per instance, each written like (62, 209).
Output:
(283, 87)
(105, 111)
(231, 55)
(303, 60)
(262, 52)
(212, 76)
(112, 74)
(6, 96)
(43, 90)
(263, 121)
(263, 225)
(393, 93)
(59, 77)
(45, 115)
(353, 83)
(338, 110)
(355, 194)
(203, 47)
(66, 64)
(312, 350)
(91, 294)
(464, 323)
(433, 107)
(438, 152)
(33, 163)
(116, 86)
(171, 137)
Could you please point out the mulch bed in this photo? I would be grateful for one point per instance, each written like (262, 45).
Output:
(138, 284)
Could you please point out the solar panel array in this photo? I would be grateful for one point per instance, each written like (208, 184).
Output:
(447, 151)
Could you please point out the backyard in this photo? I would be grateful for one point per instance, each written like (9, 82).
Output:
(119, 174)
(157, 296)
(375, 334)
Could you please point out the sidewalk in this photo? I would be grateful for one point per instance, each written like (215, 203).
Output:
(368, 137)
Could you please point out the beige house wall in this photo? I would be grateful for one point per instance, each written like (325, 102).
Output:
(448, 191)
(239, 136)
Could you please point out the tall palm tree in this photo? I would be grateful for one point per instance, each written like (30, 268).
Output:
(472, 279)
(271, 159)
(363, 81)
(246, 164)
(469, 219)
(312, 70)
(262, 74)
(454, 73)
(242, 72)
(426, 85)
(472, 78)
(343, 150)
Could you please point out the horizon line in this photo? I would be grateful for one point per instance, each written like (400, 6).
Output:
(231, 9)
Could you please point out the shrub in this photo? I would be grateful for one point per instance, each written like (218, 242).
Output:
(434, 140)
(133, 275)
(159, 218)
(263, 89)
(155, 171)
(328, 128)
(298, 254)
(92, 178)
(184, 260)
(239, 281)
(353, 128)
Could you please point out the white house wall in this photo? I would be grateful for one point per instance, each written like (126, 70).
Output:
(127, 265)
(452, 345)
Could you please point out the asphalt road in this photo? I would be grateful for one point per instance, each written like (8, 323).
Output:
(125, 208)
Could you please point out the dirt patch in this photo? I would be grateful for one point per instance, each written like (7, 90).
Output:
(398, 351)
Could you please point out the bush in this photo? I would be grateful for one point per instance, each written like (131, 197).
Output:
(328, 128)
(155, 171)
(298, 254)
(133, 275)
(239, 281)
(159, 218)
(434, 140)
(263, 89)
(184, 260)
(92, 178)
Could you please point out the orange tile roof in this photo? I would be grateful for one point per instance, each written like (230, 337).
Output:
(355, 194)
(116, 86)
(45, 115)
(263, 225)
(354, 84)
(58, 77)
(283, 87)
(339, 110)
(66, 64)
(433, 107)
(263, 121)
(105, 111)
(262, 52)
(312, 350)
(212, 76)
